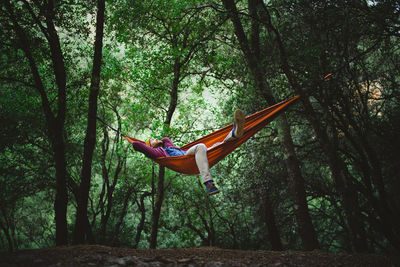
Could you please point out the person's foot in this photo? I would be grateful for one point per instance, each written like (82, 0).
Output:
(211, 189)
(238, 123)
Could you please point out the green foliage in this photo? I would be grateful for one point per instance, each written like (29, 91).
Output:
(152, 48)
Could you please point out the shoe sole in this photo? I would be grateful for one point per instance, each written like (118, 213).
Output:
(213, 193)
(239, 121)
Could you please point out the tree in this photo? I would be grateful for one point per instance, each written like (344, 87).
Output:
(81, 223)
(252, 55)
(180, 40)
(345, 49)
(175, 68)
(54, 119)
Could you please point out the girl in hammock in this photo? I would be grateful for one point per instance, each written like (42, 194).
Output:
(154, 148)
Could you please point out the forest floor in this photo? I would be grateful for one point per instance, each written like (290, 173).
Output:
(96, 255)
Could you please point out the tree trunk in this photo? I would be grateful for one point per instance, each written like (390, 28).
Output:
(269, 219)
(81, 225)
(373, 171)
(111, 188)
(54, 124)
(210, 229)
(161, 174)
(61, 201)
(140, 226)
(5, 227)
(296, 184)
(105, 176)
(347, 194)
(110, 192)
(123, 214)
(296, 181)
(157, 207)
(60, 204)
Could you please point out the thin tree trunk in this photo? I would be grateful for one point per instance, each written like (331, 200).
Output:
(296, 184)
(60, 204)
(110, 188)
(123, 214)
(140, 226)
(161, 174)
(81, 223)
(110, 192)
(157, 207)
(269, 218)
(5, 227)
(210, 229)
(3, 242)
(105, 176)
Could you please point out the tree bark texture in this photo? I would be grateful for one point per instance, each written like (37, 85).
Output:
(269, 219)
(157, 208)
(81, 226)
(296, 184)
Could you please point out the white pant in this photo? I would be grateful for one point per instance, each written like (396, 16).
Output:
(200, 154)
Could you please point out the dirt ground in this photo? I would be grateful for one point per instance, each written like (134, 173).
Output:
(96, 255)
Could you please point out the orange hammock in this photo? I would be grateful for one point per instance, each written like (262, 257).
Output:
(187, 165)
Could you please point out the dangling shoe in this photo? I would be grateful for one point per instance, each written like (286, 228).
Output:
(238, 123)
(211, 189)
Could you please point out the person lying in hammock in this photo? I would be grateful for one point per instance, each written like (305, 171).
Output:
(154, 148)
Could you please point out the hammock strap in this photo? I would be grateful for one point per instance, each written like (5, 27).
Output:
(123, 135)
(105, 123)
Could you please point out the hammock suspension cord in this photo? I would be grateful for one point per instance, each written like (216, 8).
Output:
(105, 123)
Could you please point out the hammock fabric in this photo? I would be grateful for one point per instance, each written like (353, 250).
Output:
(187, 165)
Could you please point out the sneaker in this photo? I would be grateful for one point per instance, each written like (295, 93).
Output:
(238, 123)
(211, 189)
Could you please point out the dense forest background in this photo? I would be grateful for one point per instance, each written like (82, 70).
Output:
(323, 175)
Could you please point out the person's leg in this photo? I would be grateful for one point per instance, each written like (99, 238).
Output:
(200, 154)
(229, 137)
(238, 124)
(237, 131)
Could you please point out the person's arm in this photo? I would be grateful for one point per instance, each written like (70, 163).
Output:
(149, 151)
(167, 142)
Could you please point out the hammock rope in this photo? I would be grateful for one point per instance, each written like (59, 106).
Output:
(112, 128)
